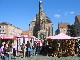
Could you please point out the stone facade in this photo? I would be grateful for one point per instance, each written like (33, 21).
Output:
(7, 29)
(77, 25)
(63, 28)
(41, 25)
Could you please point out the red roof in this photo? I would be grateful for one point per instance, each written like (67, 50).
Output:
(26, 32)
(63, 25)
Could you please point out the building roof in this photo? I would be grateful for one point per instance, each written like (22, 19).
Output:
(63, 25)
(6, 23)
(41, 13)
(26, 32)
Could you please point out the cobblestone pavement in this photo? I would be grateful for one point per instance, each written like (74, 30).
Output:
(38, 57)
(47, 58)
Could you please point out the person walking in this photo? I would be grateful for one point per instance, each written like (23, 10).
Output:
(41, 45)
(5, 52)
(14, 51)
(38, 47)
(34, 48)
(31, 47)
(22, 48)
(28, 48)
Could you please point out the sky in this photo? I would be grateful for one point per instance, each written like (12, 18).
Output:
(21, 12)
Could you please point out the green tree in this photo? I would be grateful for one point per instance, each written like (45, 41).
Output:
(72, 33)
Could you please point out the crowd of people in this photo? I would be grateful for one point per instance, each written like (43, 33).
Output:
(6, 49)
(9, 50)
(32, 48)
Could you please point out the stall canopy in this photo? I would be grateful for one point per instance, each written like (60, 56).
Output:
(8, 37)
(49, 37)
(22, 36)
(61, 36)
(0, 37)
(13, 37)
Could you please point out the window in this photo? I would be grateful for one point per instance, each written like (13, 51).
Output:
(2, 31)
(0, 26)
(11, 34)
(4, 26)
(49, 31)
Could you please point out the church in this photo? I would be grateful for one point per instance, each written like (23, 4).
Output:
(41, 26)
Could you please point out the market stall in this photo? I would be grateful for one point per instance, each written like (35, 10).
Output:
(7, 38)
(64, 45)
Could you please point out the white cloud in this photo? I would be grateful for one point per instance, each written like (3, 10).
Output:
(57, 16)
(72, 12)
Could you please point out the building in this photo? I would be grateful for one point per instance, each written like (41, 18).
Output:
(41, 26)
(63, 28)
(25, 32)
(77, 25)
(7, 29)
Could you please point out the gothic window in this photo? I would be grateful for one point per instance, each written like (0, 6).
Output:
(52, 30)
(49, 32)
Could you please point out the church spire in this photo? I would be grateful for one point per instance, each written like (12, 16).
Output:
(40, 6)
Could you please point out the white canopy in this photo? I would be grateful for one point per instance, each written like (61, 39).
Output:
(61, 36)
(7, 37)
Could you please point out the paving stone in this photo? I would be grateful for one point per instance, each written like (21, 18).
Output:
(39, 57)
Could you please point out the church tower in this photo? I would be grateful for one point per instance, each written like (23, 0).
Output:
(41, 26)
